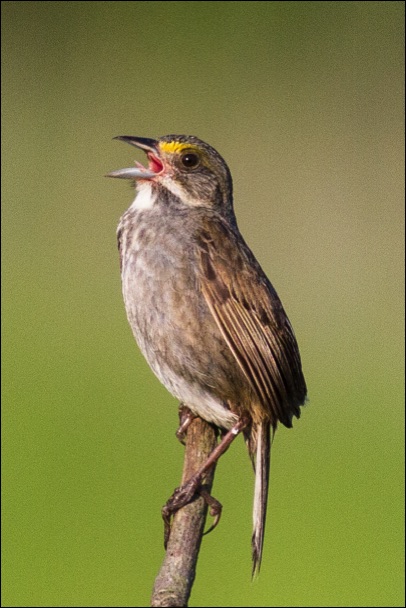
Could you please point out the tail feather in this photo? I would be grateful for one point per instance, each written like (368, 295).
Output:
(261, 455)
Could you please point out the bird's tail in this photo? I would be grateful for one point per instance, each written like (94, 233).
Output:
(261, 457)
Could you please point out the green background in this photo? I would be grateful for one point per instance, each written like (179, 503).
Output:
(305, 102)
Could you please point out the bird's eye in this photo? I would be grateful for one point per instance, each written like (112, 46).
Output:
(190, 160)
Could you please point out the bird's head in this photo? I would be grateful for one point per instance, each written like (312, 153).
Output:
(191, 170)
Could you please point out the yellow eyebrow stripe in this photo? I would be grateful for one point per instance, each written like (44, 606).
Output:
(174, 147)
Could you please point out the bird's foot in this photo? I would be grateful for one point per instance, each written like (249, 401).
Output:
(186, 417)
(192, 488)
(183, 496)
(215, 508)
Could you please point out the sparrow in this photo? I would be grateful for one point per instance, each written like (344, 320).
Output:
(202, 310)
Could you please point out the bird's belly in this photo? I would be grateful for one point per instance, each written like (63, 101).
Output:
(178, 335)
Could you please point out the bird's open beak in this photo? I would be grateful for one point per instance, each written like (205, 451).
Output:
(150, 146)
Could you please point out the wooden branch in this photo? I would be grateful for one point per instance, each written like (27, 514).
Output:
(174, 582)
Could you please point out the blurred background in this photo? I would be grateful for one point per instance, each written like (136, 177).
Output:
(305, 102)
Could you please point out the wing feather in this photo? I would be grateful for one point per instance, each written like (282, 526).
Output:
(252, 321)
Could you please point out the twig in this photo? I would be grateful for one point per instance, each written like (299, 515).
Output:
(174, 582)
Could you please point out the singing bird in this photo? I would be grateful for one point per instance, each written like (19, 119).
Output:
(202, 310)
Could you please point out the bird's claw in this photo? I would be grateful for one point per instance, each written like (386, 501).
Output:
(183, 496)
(186, 417)
(215, 508)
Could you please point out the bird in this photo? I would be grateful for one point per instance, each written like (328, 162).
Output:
(202, 310)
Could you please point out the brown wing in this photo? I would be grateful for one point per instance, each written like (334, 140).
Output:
(252, 321)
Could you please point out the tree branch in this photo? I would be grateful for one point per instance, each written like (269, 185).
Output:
(174, 582)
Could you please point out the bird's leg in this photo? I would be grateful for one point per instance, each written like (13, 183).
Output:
(186, 493)
(185, 418)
